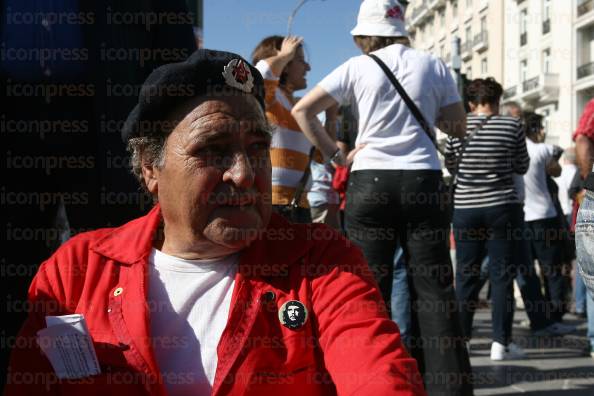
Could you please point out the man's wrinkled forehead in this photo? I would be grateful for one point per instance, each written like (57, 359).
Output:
(228, 112)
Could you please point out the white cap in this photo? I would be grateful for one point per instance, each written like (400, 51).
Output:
(383, 18)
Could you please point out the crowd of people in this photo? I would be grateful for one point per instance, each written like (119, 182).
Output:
(513, 202)
(229, 285)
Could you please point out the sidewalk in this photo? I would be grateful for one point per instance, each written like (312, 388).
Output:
(556, 366)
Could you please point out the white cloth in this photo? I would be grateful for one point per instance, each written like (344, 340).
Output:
(321, 192)
(568, 172)
(189, 302)
(538, 204)
(394, 138)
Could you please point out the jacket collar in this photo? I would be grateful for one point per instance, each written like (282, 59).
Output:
(272, 251)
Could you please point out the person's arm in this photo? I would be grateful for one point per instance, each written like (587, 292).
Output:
(305, 113)
(584, 151)
(330, 125)
(343, 147)
(452, 120)
(553, 167)
(361, 346)
(521, 159)
(450, 160)
(285, 55)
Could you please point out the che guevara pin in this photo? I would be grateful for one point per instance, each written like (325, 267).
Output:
(293, 314)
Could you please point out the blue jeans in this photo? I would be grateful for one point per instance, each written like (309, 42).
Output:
(401, 297)
(480, 232)
(580, 293)
(584, 241)
(590, 306)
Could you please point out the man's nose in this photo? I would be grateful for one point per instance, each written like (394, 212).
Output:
(307, 66)
(241, 171)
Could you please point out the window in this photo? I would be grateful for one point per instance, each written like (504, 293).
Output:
(546, 61)
(442, 51)
(483, 23)
(441, 16)
(484, 66)
(523, 27)
(469, 73)
(454, 9)
(523, 70)
(546, 10)
(468, 3)
(468, 34)
(523, 21)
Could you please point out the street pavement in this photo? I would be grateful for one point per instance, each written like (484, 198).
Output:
(556, 366)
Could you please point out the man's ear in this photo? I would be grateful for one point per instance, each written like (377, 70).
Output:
(150, 174)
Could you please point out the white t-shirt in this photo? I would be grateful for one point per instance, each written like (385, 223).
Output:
(568, 172)
(189, 302)
(393, 137)
(538, 204)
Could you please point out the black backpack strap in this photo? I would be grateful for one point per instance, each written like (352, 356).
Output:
(466, 141)
(409, 102)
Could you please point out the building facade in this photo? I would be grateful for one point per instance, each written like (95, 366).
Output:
(583, 42)
(538, 62)
(478, 24)
(542, 51)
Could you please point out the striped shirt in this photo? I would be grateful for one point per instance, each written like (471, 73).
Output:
(289, 150)
(493, 155)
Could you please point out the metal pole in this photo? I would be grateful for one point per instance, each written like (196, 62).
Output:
(292, 16)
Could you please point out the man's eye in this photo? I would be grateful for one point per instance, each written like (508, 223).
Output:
(217, 149)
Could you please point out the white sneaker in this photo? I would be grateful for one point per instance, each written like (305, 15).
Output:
(555, 329)
(509, 352)
(525, 323)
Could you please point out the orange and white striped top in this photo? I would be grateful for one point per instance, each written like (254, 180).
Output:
(289, 150)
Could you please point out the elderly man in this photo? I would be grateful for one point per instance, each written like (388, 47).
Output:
(193, 298)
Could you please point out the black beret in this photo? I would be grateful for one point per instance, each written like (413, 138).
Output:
(205, 72)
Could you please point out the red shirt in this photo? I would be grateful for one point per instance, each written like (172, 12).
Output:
(586, 123)
(348, 346)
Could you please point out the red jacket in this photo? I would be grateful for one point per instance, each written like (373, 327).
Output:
(347, 347)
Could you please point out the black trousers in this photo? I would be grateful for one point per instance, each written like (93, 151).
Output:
(388, 207)
(546, 246)
(536, 306)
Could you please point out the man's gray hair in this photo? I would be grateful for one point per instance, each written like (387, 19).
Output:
(146, 150)
(509, 106)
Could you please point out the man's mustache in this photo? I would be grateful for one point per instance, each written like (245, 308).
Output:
(234, 198)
